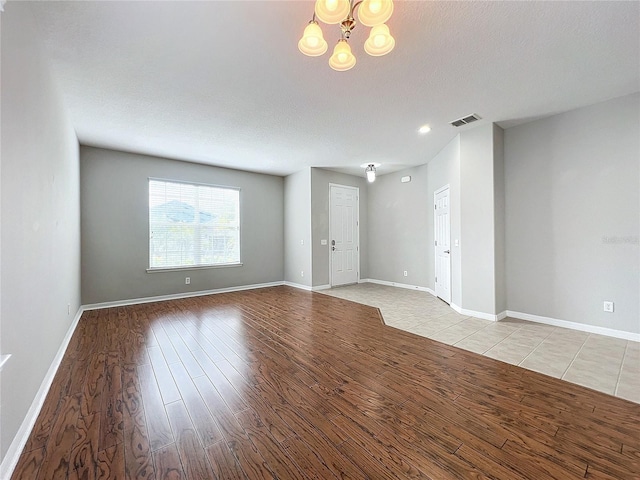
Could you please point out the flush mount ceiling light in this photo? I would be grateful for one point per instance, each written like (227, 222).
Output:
(370, 171)
(424, 129)
(371, 13)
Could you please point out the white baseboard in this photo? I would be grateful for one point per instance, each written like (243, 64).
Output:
(298, 285)
(609, 332)
(399, 285)
(15, 449)
(176, 296)
(475, 314)
(317, 288)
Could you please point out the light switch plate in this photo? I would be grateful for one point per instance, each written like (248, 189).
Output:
(323, 242)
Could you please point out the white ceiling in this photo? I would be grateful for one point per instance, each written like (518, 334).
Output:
(223, 82)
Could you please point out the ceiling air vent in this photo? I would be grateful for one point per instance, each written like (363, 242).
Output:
(464, 120)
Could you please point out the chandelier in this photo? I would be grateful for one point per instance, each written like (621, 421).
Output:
(370, 171)
(371, 13)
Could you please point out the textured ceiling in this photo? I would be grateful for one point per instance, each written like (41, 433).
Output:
(223, 82)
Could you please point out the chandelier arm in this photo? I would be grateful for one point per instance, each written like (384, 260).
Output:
(354, 6)
(349, 23)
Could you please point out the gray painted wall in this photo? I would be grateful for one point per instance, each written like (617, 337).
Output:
(297, 228)
(115, 242)
(400, 215)
(320, 180)
(443, 170)
(572, 215)
(499, 219)
(401, 222)
(40, 219)
(477, 219)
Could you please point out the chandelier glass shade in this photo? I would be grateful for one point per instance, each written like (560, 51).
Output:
(375, 12)
(380, 41)
(332, 11)
(312, 42)
(371, 13)
(342, 58)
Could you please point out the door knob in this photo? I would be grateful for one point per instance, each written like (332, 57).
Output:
(447, 251)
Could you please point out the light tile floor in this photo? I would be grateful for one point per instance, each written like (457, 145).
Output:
(607, 364)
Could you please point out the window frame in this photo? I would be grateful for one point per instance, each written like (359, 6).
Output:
(151, 269)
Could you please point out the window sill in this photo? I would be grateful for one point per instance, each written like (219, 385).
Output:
(194, 267)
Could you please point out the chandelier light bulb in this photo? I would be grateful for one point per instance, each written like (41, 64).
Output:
(342, 58)
(312, 42)
(332, 11)
(375, 12)
(375, 6)
(380, 41)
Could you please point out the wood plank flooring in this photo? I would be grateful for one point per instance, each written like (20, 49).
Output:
(281, 383)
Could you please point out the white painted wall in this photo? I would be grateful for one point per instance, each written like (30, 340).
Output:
(573, 215)
(297, 228)
(40, 219)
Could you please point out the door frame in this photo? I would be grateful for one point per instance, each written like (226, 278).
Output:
(435, 248)
(357, 189)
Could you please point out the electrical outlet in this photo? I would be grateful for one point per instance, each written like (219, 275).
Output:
(405, 273)
(68, 309)
(302, 242)
(302, 273)
(187, 280)
(608, 307)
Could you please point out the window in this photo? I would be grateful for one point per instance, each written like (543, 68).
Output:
(193, 225)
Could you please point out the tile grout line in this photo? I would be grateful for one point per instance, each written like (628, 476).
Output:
(495, 345)
(485, 351)
(473, 333)
(575, 356)
(537, 346)
(442, 329)
(624, 355)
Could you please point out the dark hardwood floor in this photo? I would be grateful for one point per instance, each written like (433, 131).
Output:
(281, 383)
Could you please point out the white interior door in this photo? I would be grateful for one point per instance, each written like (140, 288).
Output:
(343, 233)
(442, 229)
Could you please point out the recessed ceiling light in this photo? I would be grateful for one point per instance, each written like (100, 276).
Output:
(424, 129)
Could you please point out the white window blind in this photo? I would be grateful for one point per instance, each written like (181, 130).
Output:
(193, 225)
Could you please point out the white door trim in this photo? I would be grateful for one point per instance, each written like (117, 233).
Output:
(357, 189)
(435, 248)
